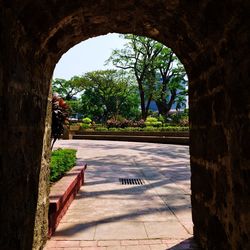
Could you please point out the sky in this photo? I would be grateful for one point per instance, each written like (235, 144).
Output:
(88, 55)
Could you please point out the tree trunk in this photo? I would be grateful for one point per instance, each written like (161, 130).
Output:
(142, 98)
(163, 106)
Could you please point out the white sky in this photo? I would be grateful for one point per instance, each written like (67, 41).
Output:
(87, 56)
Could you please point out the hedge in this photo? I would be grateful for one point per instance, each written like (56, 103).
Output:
(62, 160)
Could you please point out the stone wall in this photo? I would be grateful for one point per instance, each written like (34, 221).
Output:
(211, 38)
(23, 104)
(220, 108)
(41, 219)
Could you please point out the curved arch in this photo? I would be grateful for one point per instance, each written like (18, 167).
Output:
(68, 26)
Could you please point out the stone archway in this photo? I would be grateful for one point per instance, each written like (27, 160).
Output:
(211, 39)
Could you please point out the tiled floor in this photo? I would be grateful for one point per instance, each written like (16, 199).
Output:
(108, 215)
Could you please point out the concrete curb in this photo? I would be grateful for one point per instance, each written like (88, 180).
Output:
(167, 138)
(62, 194)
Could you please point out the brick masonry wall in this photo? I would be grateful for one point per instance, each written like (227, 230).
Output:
(212, 40)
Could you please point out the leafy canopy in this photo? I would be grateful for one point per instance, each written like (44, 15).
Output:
(68, 89)
(159, 74)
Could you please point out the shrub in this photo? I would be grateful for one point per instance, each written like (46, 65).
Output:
(161, 119)
(112, 123)
(175, 128)
(151, 119)
(62, 160)
(86, 120)
(140, 124)
(118, 123)
(60, 114)
(150, 128)
(124, 123)
(85, 125)
(115, 129)
(132, 129)
(184, 122)
(101, 128)
(180, 118)
(152, 122)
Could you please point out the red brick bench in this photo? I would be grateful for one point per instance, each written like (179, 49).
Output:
(62, 194)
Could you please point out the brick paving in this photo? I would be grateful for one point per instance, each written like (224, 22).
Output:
(108, 215)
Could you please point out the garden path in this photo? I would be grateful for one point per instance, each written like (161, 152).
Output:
(108, 215)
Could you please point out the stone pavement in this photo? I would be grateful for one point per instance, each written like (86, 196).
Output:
(109, 215)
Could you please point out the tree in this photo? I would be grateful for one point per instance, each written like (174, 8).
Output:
(109, 93)
(68, 89)
(157, 70)
(75, 109)
(172, 84)
(137, 56)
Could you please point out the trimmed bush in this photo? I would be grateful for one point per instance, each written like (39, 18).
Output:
(86, 123)
(174, 128)
(153, 122)
(146, 129)
(150, 129)
(151, 119)
(86, 120)
(62, 160)
(180, 118)
(101, 129)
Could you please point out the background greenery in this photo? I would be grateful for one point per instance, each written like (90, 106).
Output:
(62, 160)
(148, 73)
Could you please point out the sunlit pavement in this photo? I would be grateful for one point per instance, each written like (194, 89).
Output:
(109, 215)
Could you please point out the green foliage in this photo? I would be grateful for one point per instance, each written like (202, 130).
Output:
(109, 93)
(161, 119)
(85, 125)
(101, 129)
(150, 129)
(133, 129)
(168, 128)
(180, 118)
(74, 107)
(159, 74)
(67, 89)
(86, 120)
(114, 129)
(152, 122)
(151, 119)
(62, 160)
(175, 128)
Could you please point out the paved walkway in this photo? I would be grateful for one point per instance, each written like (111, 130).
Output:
(109, 215)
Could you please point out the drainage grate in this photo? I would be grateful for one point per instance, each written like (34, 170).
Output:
(125, 181)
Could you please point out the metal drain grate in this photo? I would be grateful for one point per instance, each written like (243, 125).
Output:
(126, 181)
